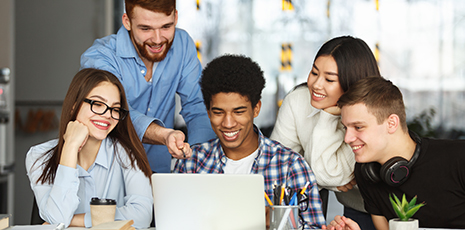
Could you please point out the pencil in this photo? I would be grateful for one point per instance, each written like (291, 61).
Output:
(268, 199)
(282, 195)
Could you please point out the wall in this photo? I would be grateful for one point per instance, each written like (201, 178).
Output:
(50, 38)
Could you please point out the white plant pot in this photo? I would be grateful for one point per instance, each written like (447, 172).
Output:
(397, 224)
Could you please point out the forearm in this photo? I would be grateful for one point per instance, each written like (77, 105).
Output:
(380, 222)
(78, 220)
(156, 134)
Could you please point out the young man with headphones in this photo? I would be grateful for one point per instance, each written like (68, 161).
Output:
(390, 159)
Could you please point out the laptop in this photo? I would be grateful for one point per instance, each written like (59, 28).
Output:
(208, 201)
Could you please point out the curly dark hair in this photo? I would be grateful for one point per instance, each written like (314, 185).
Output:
(232, 74)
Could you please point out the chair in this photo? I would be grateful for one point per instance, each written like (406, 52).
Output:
(35, 217)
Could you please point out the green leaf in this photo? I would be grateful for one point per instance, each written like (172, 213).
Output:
(412, 202)
(404, 210)
(404, 203)
(413, 210)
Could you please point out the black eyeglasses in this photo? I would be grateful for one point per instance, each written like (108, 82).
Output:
(100, 108)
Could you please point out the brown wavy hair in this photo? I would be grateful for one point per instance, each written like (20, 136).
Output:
(124, 133)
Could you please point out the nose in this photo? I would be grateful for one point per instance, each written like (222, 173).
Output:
(157, 36)
(318, 84)
(229, 121)
(107, 113)
(349, 137)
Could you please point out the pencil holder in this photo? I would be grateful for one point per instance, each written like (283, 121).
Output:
(284, 217)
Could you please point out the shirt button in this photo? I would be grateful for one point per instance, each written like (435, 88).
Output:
(148, 109)
(142, 71)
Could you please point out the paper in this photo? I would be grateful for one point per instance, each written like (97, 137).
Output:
(39, 227)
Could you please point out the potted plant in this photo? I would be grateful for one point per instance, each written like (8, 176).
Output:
(404, 210)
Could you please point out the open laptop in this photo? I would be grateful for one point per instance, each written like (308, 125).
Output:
(208, 201)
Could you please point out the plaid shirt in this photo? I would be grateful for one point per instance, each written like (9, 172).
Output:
(276, 163)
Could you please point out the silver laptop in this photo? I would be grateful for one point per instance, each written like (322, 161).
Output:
(208, 201)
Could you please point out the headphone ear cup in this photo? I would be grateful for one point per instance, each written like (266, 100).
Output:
(395, 171)
(370, 171)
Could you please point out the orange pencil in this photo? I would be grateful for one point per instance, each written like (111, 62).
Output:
(282, 195)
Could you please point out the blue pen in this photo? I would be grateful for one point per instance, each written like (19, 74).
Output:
(293, 199)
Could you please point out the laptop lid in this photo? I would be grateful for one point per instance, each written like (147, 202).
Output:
(208, 201)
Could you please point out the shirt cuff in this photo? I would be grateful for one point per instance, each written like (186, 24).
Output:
(87, 220)
(143, 123)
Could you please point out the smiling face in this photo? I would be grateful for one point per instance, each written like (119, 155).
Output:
(323, 83)
(367, 138)
(100, 125)
(152, 33)
(231, 116)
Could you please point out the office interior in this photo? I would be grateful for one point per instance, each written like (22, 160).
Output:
(419, 45)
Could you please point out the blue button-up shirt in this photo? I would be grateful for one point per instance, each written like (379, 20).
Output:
(275, 162)
(154, 101)
(108, 177)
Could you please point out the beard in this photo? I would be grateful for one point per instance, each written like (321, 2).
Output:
(144, 53)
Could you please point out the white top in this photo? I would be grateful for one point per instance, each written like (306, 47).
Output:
(241, 166)
(319, 137)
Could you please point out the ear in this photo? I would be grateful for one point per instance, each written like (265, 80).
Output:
(175, 17)
(126, 21)
(393, 122)
(256, 109)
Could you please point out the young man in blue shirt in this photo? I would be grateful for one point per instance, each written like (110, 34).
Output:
(231, 87)
(154, 61)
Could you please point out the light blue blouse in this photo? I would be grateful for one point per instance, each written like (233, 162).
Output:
(107, 178)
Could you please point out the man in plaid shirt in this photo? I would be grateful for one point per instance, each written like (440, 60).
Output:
(231, 86)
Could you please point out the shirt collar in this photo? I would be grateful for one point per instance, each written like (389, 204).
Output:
(103, 156)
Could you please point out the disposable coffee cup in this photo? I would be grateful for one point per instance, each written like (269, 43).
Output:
(102, 210)
(285, 217)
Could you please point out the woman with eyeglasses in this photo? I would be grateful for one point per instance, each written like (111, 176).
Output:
(97, 154)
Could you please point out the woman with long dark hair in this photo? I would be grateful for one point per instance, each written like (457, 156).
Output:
(309, 121)
(97, 154)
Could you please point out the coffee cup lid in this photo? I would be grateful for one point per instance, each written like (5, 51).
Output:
(103, 201)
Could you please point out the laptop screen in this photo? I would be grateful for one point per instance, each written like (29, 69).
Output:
(208, 201)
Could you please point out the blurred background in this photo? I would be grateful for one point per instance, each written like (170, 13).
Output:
(419, 45)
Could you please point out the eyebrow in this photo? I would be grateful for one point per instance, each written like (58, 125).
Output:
(328, 73)
(355, 123)
(143, 26)
(237, 108)
(104, 100)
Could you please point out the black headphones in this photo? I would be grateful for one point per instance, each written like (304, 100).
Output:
(395, 171)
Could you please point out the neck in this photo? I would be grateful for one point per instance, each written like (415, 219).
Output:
(401, 145)
(88, 153)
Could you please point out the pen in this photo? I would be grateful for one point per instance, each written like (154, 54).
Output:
(304, 188)
(183, 153)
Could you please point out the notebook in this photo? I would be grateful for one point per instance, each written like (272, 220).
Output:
(208, 201)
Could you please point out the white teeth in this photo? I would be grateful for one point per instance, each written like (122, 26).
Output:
(230, 134)
(318, 95)
(100, 123)
(356, 147)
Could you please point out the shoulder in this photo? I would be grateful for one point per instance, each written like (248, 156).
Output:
(202, 150)
(38, 151)
(300, 91)
(281, 152)
(182, 34)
